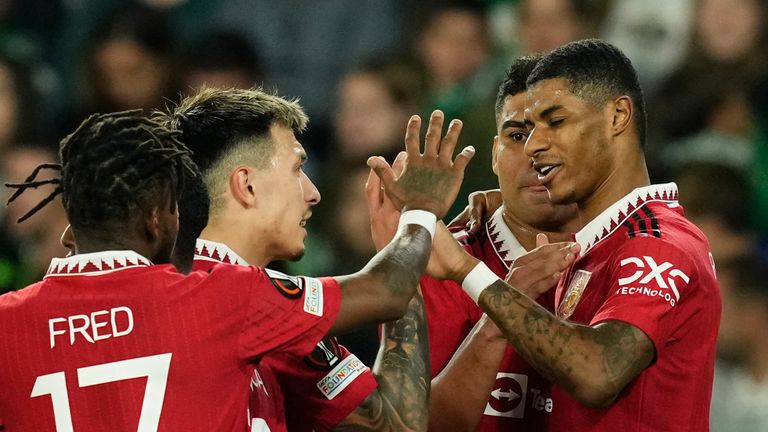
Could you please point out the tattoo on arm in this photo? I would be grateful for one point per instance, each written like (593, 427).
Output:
(607, 356)
(401, 264)
(403, 372)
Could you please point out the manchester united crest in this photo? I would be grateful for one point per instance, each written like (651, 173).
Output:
(573, 293)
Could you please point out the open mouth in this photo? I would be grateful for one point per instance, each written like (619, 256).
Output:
(545, 171)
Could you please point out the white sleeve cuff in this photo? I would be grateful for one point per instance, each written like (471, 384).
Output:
(477, 280)
(419, 217)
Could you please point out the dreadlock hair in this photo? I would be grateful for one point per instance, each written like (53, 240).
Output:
(193, 218)
(227, 127)
(596, 72)
(514, 81)
(114, 168)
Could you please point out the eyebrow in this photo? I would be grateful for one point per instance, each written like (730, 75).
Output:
(547, 112)
(512, 123)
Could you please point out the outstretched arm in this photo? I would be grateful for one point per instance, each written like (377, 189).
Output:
(430, 181)
(402, 370)
(592, 363)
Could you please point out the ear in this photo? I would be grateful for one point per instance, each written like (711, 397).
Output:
(152, 228)
(68, 239)
(242, 185)
(494, 158)
(623, 111)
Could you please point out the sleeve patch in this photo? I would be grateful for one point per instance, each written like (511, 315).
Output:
(289, 286)
(313, 297)
(644, 276)
(325, 355)
(341, 376)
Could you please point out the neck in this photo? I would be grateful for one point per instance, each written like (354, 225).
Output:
(240, 240)
(526, 234)
(92, 245)
(623, 179)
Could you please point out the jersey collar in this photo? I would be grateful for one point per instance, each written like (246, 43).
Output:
(505, 244)
(207, 250)
(611, 218)
(96, 263)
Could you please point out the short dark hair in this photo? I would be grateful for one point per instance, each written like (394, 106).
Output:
(515, 79)
(227, 126)
(596, 72)
(114, 168)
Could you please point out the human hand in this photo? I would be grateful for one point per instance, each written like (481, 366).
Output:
(430, 180)
(480, 207)
(382, 212)
(540, 269)
(448, 257)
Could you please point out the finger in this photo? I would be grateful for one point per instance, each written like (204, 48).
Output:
(382, 170)
(541, 239)
(462, 219)
(399, 164)
(477, 212)
(434, 131)
(373, 190)
(412, 146)
(463, 158)
(448, 144)
(544, 253)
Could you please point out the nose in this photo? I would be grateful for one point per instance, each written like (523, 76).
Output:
(311, 194)
(536, 143)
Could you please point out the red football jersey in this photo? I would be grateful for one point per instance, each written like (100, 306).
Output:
(643, 263)
(109, 342)
(315, 392)
(520, 399)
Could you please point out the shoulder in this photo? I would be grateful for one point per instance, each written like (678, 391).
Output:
(14, 299)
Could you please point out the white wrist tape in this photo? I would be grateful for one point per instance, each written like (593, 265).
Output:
(480, 278)
(419, 217)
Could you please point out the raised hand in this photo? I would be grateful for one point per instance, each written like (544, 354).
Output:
(430, 180)
(539, 270)
(382, 212)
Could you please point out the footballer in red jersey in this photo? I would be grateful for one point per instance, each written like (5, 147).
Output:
(245, 143)
(313, 392)
(635, 314)
(644, 264)
(93, 337)
(479, 381)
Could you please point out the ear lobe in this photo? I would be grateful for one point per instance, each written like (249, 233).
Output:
(241, 186)
(623, 111)
(494, 158)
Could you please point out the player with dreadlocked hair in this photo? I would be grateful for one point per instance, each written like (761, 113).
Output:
(164, 154)
(74, 342)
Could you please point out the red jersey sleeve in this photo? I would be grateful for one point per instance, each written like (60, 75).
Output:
(649, 281)
(323, 388)
(451, 314)
(288, 314)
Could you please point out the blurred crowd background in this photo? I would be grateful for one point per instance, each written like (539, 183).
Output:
(362, 67)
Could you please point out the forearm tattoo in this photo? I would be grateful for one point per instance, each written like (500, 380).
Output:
(612, 353)
(401, 264)
(403, 372)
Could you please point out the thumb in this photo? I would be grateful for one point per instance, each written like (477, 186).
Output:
(541, 239)
(382, 170)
